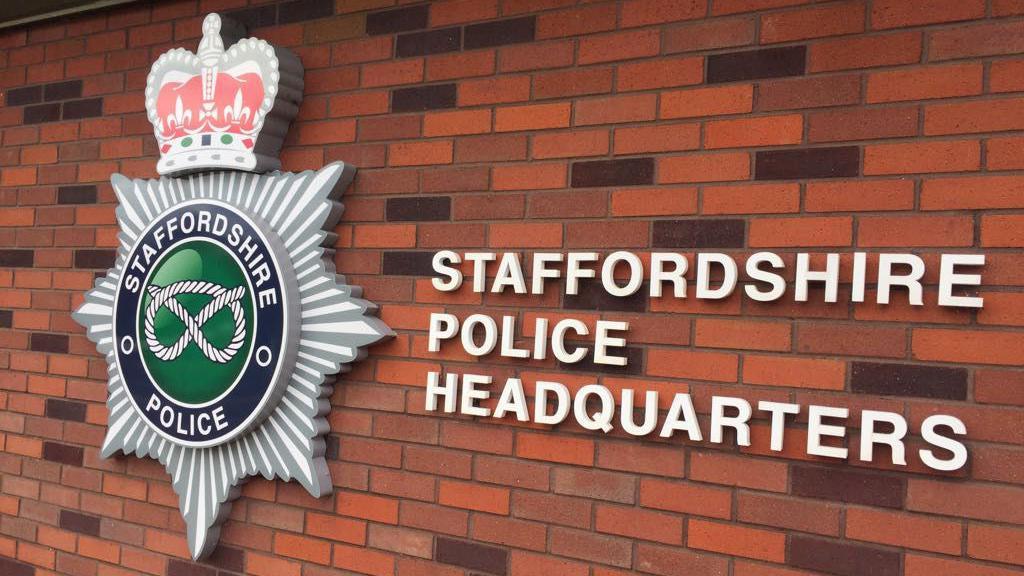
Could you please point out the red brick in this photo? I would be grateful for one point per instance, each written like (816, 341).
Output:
(686, 498)
(661, 201)
(973, 347)
(746, 132)
(915, 565)
(457, 122)
(995, 543)
(576, 21)
(816, 22)
(420, 153)
(977, 40)
(804, 231)
(853, 195)
(1001, 231)
(915, 231)
(566, 450)
(619, 46)
(720, 167)
(529, 176)
(865, 52)
(1004, 153)
(677, 363)
(736, 540)
(977, 116)
(749, 335)
(904, 530)
(640, 524)
(526, 564)
(979, 501)
(565, 83)
(531, 117)
(793, 372)
(924, 83)
(790, 513)
(1006, 76)
(708, 34)
(392, 73)
(660, 74)
(536, 56)
(751, 199)
(302, 548)
(327, 132)
(494, 91)
(901, 13)
(742, 471)
(707, 102)
(571, 144)
(616, 109)
(927, 156)
(657, 138)
(472, 496)
(459, 11)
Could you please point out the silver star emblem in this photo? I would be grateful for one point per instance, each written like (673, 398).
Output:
(296, 213)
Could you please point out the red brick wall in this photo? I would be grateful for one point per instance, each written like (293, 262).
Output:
(732, 125)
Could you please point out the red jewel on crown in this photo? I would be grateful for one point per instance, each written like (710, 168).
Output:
(208, 109)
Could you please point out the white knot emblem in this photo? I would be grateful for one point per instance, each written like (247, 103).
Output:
(165, 297)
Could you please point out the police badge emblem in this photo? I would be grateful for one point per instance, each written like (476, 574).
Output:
(223, 318)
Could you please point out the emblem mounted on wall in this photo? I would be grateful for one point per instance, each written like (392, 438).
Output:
(223, 319)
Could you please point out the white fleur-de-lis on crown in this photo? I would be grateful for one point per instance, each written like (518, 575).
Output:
(180, 116)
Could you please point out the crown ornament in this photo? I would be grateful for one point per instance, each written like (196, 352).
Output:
(222, 108)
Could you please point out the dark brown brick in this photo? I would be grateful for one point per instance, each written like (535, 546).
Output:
(9, 567)
(430, 42)
(836, 162)
(88, 108)
(419, 209)
(408, 263)
(41, 113)
(725, 233)
(76, 194)
(65, 410)
(489, 559)
(841, 558)
(423, 98)
(6, 318)
(90, 258)
(62, 90)
(14, 258)
(182, 568)
(23, 96)
(625, 172)
(55, 452)
(43, 342)
(255, 17)
(512, 31)
(754, 64)
(399, 20)
(909, 380)
(301, 10)
(850, 486)
(227, 558)
(634, 362)
(81, 523)
(593, 296)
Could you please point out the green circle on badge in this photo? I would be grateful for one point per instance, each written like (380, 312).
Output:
(202, 325)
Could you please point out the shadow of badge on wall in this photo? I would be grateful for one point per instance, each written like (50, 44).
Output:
(223, 318)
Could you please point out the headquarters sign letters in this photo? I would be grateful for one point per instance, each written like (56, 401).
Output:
(223, 319)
